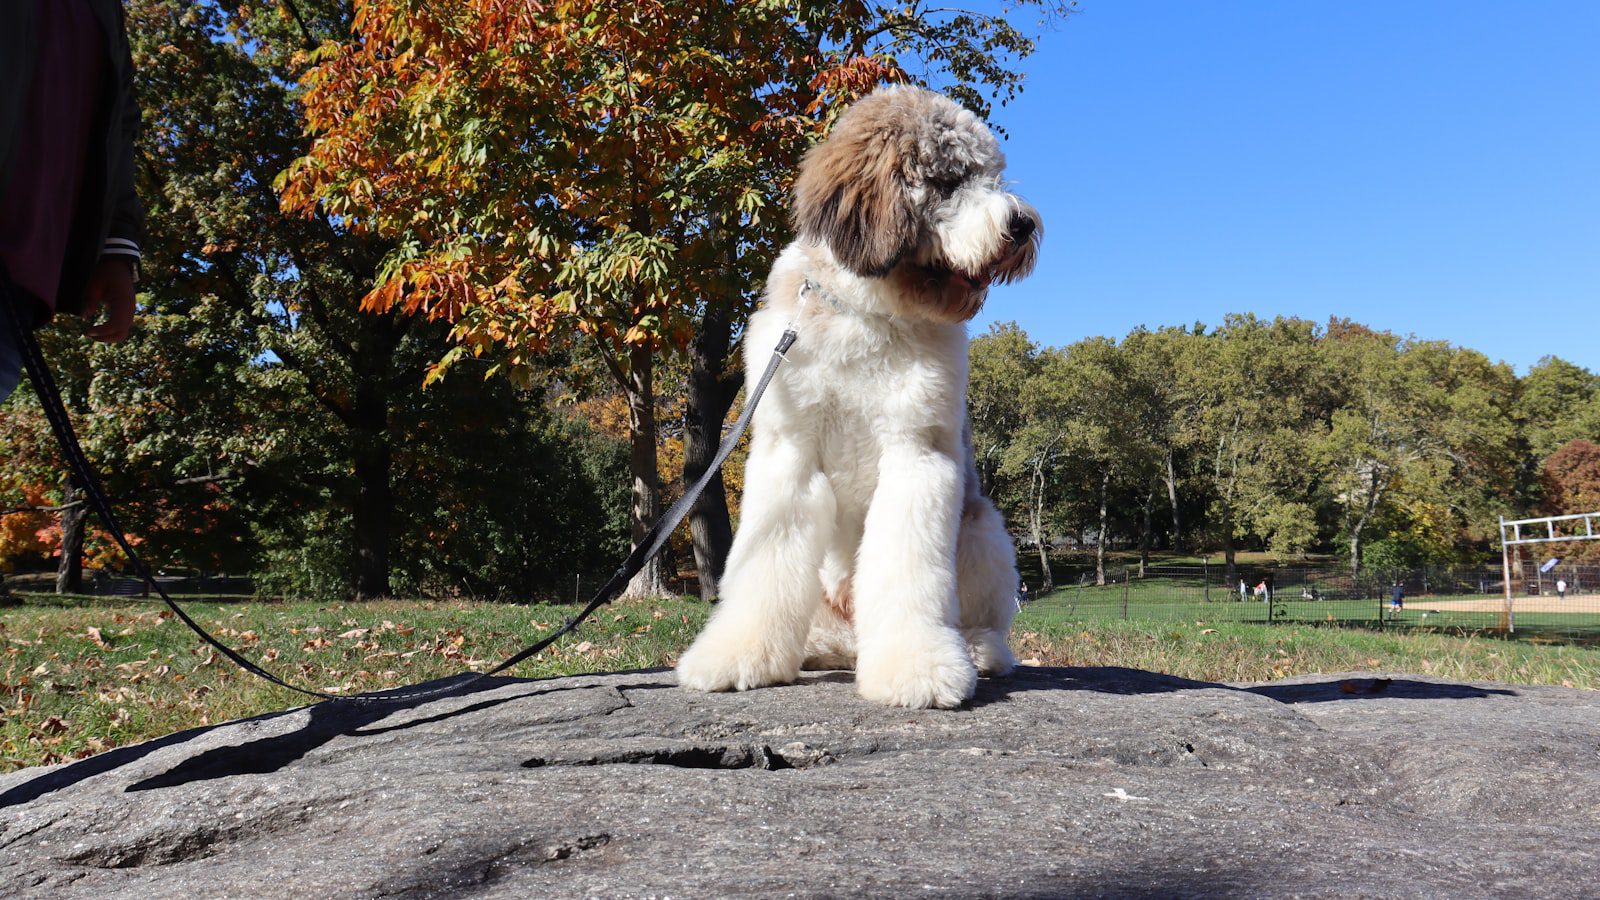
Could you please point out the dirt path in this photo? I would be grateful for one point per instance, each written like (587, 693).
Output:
(1575, 603)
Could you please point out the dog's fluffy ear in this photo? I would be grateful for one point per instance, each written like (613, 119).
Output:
(852, 194)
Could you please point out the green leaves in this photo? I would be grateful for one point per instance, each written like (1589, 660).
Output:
(1261, 433)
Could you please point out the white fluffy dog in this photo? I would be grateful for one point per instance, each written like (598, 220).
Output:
(863, 540)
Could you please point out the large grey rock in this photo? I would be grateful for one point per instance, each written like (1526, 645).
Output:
(1055, 782)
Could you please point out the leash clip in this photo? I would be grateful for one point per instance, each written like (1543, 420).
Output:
(789, 332)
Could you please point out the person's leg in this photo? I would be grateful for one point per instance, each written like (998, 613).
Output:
(10, 351)
(15, 303)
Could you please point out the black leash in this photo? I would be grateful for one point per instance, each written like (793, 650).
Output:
(656, 538)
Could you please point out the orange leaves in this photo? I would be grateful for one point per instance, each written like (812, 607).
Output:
(547, 168)
(852, 78)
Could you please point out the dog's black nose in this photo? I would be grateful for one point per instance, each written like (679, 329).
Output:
(1021, 228)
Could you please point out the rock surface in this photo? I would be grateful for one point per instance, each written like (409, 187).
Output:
(1055, 782)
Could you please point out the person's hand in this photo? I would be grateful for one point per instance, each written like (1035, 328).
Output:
(110, 290)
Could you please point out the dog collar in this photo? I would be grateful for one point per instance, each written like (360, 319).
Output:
(809, 288)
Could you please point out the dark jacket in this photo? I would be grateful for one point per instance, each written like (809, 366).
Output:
(109, 220)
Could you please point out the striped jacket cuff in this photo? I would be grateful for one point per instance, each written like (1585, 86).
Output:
(122, 247)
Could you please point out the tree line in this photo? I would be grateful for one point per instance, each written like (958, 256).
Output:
(1283, 434)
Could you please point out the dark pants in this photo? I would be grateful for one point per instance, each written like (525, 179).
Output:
(17, 301)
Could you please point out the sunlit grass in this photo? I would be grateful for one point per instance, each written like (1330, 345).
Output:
(83, 678)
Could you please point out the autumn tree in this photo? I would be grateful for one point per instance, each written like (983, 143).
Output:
(1572, 478)
(1571, 483)
(600, 172)
(256, 419)
(1557, 402)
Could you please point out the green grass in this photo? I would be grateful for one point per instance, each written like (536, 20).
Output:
(1240, 651)
(82, 675)
(1183, 599)
(79, 676)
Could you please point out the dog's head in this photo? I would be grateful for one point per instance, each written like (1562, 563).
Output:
(907, 188)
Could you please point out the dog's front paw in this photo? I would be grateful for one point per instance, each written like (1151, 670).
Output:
(991, 653)
(718, 663)
(917, 670)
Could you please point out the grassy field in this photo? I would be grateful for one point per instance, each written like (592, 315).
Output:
(1177, 599)
(82, 675)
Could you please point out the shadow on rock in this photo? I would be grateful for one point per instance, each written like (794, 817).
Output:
(1374, 689)
(1100, 679)
(328, 720)
(69, 775)
(1119, 680)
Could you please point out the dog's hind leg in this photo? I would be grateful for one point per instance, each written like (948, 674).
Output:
(772, 588)
(832, 642)
(986, 574)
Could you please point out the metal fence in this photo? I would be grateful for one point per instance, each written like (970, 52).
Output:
(568, 588)
(1562, 601)
(99, 583)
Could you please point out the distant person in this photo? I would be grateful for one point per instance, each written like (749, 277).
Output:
(1022, 594)
(69, 219)
(1244, 591)
(1261, 591)
(1561, 589)
(1397, 597)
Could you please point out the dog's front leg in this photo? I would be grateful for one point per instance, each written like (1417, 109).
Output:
(909, 652)
(772, 586)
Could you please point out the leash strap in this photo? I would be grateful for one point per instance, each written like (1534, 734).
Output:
(84, 475)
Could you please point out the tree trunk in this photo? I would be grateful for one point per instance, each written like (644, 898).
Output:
(1146, 513)
(1172, 499)
(69, 572)
(1230, 572)
(712, 389)
(651, 581)
(1036, 522)
(372, 458)
(1374, 492)
(1100, 539)
(372, 509)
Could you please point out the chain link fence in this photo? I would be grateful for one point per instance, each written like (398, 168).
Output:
(567, 588)
(1564, 600)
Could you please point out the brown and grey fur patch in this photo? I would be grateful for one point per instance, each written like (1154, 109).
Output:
(900, 166)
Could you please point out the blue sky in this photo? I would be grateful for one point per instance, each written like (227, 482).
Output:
(1426, 167)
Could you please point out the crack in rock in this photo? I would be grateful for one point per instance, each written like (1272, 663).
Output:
(762, 757)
